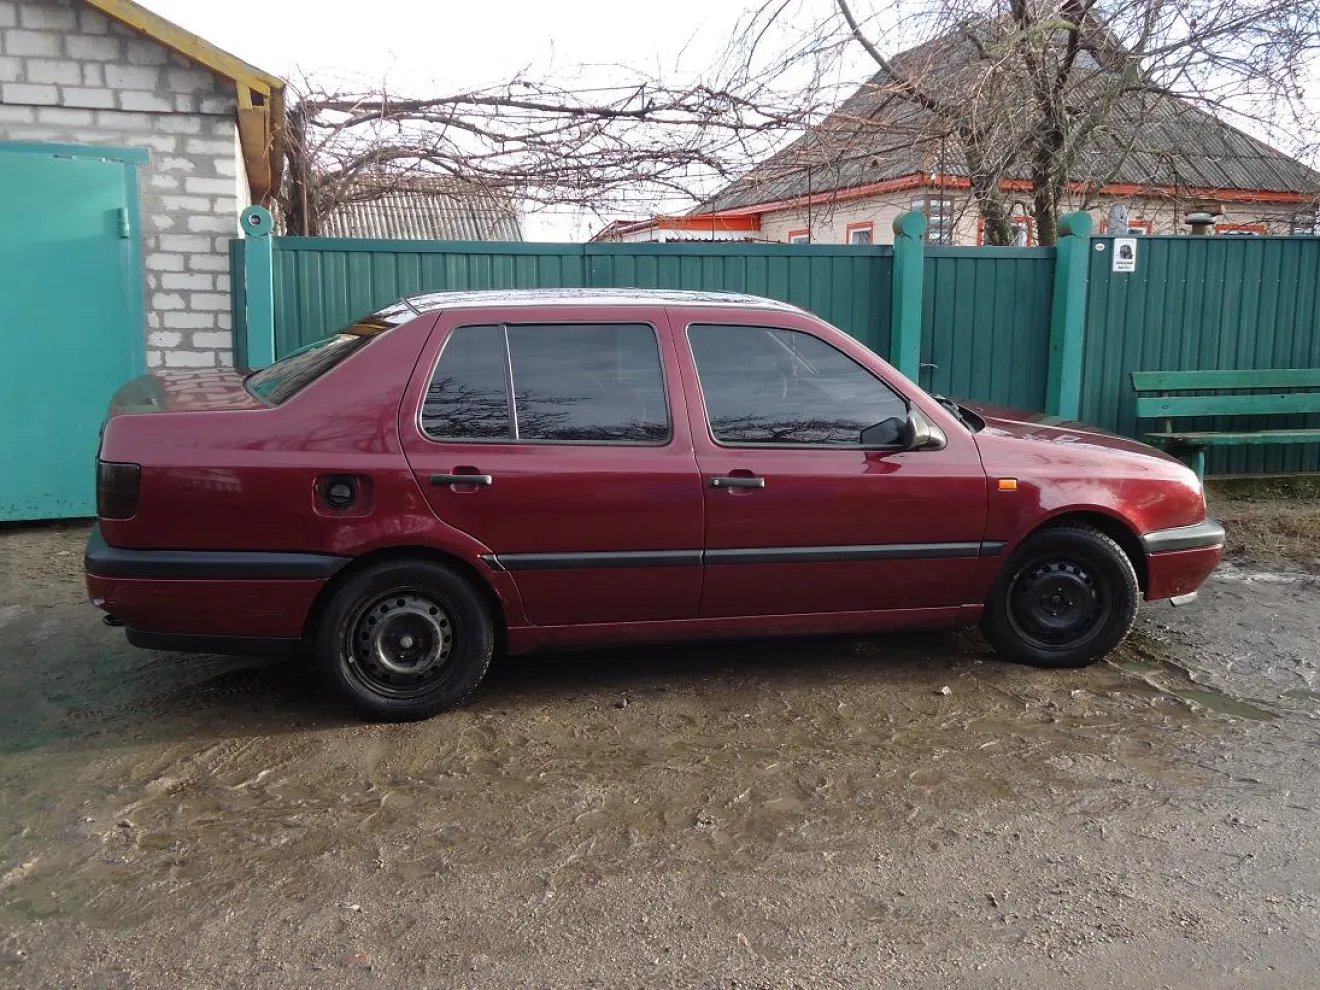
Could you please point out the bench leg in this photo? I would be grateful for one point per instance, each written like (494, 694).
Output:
(1197, 462)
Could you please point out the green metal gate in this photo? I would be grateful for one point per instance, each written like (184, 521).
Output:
(71, 318)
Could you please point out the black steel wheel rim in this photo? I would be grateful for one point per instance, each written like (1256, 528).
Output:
(401, 644)
(1058, 603)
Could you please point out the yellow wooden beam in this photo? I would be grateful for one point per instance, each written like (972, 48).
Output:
(260, 95)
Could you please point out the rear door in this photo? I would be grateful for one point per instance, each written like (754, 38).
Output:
(583, 481)
(801, 516)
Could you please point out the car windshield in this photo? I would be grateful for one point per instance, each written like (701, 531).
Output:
(295, 371)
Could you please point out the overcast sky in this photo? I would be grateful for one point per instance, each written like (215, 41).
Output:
(443, 44)
(420, 46)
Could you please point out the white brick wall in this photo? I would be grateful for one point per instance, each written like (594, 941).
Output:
(69, 75)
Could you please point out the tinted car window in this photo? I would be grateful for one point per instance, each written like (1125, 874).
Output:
(295, 371)
(468, 398)
(771, 386)
(573, 383)
(588, 382)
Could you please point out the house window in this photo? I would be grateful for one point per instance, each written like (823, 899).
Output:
(1140, 228)
(939, 218)
(1304, 224)
(1240, 229)
(861, 233)
(799, 237)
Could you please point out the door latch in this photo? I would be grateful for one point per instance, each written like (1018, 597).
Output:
(125, 223)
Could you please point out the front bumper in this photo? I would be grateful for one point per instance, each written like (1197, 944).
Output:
(1179, 560)
(1199, 536)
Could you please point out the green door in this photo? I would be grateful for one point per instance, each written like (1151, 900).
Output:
(71, 318)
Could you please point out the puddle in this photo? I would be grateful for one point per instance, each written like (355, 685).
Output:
(1157, 674)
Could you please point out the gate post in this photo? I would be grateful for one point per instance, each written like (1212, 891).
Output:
(905, 312)
(1063, 393)
(259, 286)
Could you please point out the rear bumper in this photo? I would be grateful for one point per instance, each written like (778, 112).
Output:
(207, 597)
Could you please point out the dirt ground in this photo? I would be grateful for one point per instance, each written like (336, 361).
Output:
(810, 813)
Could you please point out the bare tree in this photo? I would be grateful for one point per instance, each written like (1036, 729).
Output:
(1050, 97)
(546, 143)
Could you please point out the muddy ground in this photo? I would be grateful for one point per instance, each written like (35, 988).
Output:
(810, 813)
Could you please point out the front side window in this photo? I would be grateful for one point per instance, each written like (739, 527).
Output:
(572, 383)
(779, 387)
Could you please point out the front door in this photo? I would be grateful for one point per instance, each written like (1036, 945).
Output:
(801, 516)
(583, 482)
(71, 326)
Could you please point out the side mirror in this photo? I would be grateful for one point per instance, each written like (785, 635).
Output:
(921, 434)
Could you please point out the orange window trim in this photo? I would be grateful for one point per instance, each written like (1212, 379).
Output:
(1255, 228)
(804, 232)
(848, 231)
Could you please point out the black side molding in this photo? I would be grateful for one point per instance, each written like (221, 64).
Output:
(198, 565)
(1202, 535)
(749, 555)
(577, 561)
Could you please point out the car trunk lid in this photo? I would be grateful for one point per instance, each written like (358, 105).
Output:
(183, 390)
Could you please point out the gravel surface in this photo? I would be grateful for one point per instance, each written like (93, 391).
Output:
(905, 811)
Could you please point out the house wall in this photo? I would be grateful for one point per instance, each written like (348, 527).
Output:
(829, 222)
(69, 75)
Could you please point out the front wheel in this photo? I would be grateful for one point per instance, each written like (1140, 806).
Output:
(1066, 598)
(404, 640)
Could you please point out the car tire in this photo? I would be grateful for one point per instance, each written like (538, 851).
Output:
(404, 640)
(1067, 597)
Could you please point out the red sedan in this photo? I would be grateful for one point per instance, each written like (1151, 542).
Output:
(523, 469)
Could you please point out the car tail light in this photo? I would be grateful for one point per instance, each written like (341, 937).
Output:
(117, 489)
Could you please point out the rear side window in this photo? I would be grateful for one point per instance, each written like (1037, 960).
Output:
(571, 383)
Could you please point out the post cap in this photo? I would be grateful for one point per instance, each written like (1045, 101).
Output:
(1075, 225)
(910, 224)
(257, 222)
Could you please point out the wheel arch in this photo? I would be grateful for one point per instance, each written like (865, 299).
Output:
(1115, 527)
(384, 555)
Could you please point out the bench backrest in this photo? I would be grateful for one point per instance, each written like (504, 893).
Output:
(1253, 403)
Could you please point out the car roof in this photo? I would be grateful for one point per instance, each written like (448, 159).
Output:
(430, 301)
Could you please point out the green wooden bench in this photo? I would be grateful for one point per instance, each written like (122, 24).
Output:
(1248, 398)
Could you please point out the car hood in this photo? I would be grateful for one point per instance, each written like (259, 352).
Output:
(1018, 423)
(180, 390)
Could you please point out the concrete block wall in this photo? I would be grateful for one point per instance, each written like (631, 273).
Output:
(69, 75)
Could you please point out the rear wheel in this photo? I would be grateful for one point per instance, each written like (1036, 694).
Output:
(1068, 596)
(404, 641)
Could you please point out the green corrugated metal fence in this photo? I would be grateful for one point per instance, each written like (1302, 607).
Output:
(986, 323)
(322, 284)
(1192, 303)
(1203, 303)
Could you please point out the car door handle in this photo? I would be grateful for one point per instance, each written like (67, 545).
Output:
(484, 480)
(737, 481)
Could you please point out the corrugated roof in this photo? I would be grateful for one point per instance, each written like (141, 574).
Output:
(425, 208)
(878, 135)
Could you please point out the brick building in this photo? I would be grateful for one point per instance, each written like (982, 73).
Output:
(109, 73)
(128, 149)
